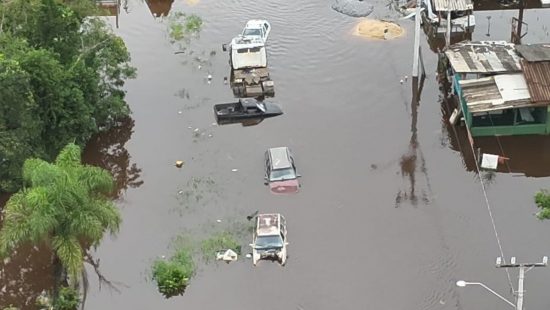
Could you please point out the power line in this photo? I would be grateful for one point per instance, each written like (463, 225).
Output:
(489, 207)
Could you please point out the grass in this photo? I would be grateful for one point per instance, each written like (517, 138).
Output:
(172, 276)
(220, 241)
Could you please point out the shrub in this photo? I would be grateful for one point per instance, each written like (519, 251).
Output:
(542, 199)
(173, 276)
(193, 23)
(67, 299)
(181, 25)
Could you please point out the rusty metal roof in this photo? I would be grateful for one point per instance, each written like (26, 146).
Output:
(453, 5)
(498, 92)
(537, 76)
(534, 52)
(483, 57)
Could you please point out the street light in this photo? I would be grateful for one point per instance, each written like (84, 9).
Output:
(462, 283)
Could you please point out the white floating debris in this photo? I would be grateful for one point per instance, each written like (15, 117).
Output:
(406, 77)
(180, 192)
(196, 130)
(179, 163)
(234, 170)
(489, 161)
(209, 77)
(401, 81)
(227, 256)
(219, 221)
(248, 255)
(210, 135)
(179, 112)
(199, 67)
(189, 127)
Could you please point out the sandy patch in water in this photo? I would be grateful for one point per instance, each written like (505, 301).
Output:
(192, 2)
(378, 29)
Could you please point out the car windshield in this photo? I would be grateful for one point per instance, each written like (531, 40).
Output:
(268, 242)
(282, 174)
(252, 32)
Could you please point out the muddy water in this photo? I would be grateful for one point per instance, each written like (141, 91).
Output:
(389, 215)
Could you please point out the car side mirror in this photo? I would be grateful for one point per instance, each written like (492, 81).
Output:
(298, 175)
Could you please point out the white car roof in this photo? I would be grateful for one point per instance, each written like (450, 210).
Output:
(255, 23)
(280, 157)
(268, 224)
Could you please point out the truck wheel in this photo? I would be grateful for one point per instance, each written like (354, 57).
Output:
(238, 91)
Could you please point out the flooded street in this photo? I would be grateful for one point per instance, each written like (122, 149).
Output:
(390, 213)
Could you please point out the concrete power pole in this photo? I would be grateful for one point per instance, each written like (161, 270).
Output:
(523, 268)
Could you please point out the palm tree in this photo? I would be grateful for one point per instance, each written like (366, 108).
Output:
(64, 205)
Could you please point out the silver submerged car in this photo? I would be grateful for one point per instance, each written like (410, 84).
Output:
(269, 240)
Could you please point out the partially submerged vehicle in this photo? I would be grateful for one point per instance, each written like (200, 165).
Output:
(269, 240)
(280, 171)
(245, 108)
(439, 14)
(248, 59)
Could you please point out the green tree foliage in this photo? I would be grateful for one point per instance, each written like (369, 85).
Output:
(68, 299)
(173, 276)
(63, 204)
(542, 199)
(61, 79)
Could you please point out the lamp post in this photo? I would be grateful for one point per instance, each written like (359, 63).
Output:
(462, 283)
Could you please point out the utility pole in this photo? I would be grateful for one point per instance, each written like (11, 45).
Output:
(520, 20)
(523, 268)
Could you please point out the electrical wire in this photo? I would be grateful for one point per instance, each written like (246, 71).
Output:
(489, 210)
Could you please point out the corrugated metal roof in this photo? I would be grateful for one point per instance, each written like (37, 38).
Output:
(534, 52)
(483, 57)
(497, 92)
(537, 76)
(453, 5)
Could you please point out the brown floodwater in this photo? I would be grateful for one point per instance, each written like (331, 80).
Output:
(390, 213)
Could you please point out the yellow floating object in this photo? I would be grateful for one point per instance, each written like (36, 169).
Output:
(378, 29)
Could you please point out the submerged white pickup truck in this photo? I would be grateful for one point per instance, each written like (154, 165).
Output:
(248, 60)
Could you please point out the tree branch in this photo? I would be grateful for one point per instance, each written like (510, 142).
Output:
(102, 279)
(90, 49)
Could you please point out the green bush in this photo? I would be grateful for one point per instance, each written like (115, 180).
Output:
(181, 25)
(193, 23)
(173, 276)
(542, 199)
(68, 299)
(217, 242)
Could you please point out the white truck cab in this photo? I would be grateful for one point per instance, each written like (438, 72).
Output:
(248, 49)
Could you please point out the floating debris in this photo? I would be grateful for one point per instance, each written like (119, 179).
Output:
(378, 29)
(227, 255)
(179, 163)
(353, 8)
(234, 170)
